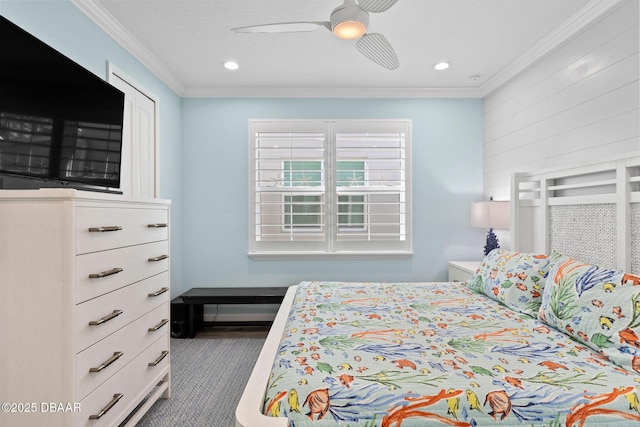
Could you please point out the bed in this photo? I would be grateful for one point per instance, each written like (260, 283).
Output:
(539, 336)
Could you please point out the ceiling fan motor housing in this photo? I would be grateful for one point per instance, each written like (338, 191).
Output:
(349, 12)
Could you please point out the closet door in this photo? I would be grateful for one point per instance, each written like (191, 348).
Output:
(139, 151)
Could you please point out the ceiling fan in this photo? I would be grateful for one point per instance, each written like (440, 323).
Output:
(348, 21)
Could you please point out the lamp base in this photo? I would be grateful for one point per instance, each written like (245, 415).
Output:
(492, 242)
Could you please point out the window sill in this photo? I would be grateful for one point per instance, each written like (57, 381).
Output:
(280, 256)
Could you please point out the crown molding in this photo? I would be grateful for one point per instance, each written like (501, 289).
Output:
(131, 44)
(128, 41)
(331, 92)
(591, 12)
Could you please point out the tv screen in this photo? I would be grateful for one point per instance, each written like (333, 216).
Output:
(60, 124)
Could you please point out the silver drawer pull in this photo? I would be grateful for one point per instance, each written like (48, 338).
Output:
(159, 325)
(158, 258)
(116, 399)
(161, 225)
(159, 359)
(108, 362)
(106, 318)
(105, 229)
(106, 273)
(158, 292)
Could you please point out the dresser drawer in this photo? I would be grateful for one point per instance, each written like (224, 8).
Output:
(100, 228)
(101, 272)
(128, 383)
(117, 309)
(102, 360)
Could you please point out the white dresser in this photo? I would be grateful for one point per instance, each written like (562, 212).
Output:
(84, 317)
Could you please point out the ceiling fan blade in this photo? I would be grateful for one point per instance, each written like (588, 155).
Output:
(376, 6)
(376, 47)
(283, 27)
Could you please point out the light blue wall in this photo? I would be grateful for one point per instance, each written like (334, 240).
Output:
(203, 166)
(62, 26)
(447, 178)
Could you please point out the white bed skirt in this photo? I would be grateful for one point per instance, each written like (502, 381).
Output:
(249, 410)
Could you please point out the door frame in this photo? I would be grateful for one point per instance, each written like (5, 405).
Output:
(114, 72)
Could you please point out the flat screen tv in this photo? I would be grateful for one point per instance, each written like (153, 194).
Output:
(60, 124)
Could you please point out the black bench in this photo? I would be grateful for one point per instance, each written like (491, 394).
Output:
(195, 298)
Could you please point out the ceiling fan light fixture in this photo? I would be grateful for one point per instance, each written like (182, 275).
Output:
(349, 30)
(349, 21)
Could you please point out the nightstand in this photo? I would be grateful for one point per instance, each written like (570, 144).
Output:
(459, 271)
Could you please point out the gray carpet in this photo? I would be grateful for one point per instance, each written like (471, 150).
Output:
(207, 380)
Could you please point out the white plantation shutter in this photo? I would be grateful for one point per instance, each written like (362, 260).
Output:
(329, 187)
(288, 194)
(374, 200)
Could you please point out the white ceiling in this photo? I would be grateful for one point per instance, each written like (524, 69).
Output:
(184, 42)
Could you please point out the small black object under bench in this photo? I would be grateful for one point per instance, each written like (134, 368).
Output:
(195, 298)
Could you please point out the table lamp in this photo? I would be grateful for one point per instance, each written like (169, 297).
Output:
(491, 214)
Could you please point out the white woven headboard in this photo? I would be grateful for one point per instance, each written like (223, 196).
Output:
(590, 212)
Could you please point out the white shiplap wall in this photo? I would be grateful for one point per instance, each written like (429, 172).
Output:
(577, 105)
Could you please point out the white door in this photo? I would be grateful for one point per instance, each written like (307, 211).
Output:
(139, 150)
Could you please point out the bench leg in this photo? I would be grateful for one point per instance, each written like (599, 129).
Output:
(192, 321)
(196, 319)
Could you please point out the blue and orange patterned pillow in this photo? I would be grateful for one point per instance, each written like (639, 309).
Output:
(515, 279)
(597, 306)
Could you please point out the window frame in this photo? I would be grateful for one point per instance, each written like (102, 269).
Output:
(329, 247)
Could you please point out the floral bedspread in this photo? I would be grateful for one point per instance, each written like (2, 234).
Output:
(418, 354)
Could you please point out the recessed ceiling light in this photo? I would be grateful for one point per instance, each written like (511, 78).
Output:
(230, 65)
(442, 65)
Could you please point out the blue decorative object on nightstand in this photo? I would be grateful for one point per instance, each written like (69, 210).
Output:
(492, 242)
(491, 214)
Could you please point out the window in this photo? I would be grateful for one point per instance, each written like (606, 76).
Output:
(329, 188)
(303, 212)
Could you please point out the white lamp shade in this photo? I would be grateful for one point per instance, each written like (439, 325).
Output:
(491, 214)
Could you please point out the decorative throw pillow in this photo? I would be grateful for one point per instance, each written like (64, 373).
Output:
(597, 306)
(515, 279)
